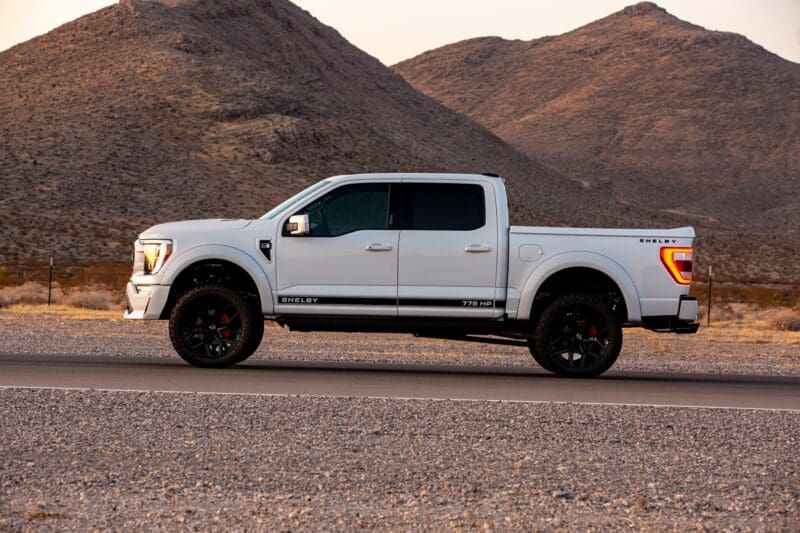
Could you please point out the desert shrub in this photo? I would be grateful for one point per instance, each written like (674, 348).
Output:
(92, 299)
(784, 320)
(28, 293)
(724, 313)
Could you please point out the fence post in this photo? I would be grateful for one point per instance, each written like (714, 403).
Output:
(50, 284)
(708, 318)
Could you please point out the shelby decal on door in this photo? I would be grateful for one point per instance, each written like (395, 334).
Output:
(298, 300)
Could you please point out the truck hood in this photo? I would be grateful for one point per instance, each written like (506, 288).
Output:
(172, 230)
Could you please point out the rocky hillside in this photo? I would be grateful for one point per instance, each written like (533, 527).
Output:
(664, 114)
(151, 111)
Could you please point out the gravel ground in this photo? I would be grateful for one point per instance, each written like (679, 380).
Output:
(37, 333)
(85, 460)
(88, 460)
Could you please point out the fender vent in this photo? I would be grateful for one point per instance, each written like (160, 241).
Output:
(266, 249)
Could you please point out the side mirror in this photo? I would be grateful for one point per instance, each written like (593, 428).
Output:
(298, 225)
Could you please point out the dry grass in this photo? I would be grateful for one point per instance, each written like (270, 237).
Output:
(723, 312)
(746, 324)
(93, 298)
(783, 319)
(33, 293)
(28, 293)
(748, 331)
(60, 312)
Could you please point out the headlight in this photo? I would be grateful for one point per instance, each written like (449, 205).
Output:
(154, 254)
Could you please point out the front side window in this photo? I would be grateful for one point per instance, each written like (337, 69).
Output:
(360, 206)
(277, 210)
(444, 206)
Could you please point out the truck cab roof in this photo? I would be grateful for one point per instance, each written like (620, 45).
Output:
(416, 176)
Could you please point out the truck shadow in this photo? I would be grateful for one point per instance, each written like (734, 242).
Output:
(495, 371)
(336, 368)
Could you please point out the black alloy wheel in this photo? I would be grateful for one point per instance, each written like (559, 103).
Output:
(578, 335)
(213, 326)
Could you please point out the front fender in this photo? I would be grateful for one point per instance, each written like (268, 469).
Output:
(221, 252)
(592, 260)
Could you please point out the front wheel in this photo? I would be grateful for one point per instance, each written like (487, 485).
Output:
(215, 327)
(578, 336)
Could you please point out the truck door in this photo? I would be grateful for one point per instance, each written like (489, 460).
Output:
(448, 250)
(347, 264)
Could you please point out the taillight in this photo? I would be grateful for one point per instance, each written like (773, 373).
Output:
(678, 261)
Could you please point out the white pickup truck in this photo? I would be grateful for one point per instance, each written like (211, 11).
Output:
(427, 254)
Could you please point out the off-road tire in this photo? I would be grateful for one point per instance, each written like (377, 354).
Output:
(541, 361)
(213, 326)
(577, 336)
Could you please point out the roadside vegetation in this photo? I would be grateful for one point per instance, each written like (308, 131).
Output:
(32, 293)
(744, 323)
(784, 320)
(730, 322)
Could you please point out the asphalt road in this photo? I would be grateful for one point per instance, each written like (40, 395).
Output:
(340, 379)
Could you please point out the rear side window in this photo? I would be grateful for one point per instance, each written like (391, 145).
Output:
(444, 206)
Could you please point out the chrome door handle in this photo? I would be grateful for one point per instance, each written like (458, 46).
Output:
(477, 248)
(378, 247)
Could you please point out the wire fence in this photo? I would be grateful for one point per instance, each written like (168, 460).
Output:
(97, 286)
(65, 273)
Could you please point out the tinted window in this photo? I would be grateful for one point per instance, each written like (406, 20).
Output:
(444, 206)
(349, 208)
(294, 199)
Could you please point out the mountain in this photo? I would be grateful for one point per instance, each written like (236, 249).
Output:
(146, 111)
(697, 124)
(150, 111)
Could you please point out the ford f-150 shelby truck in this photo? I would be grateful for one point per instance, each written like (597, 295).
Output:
(427, 254)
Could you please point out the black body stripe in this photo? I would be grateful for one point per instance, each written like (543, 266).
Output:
(332, 300)
(431, 302)
(409, 302)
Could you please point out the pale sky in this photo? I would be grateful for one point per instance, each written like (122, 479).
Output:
(395, 30)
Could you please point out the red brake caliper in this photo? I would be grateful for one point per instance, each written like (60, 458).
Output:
(592, 331)
(226, 332)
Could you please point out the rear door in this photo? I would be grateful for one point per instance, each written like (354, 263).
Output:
(448, 250)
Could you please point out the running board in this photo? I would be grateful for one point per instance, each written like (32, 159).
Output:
(473, 338)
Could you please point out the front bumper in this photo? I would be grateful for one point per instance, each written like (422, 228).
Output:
(684, 322)
(145, 302)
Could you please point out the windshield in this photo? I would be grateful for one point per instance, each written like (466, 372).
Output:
(275, 211)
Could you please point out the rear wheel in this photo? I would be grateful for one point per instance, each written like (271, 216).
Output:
(542, 361)
(578, 335)
(214, 326)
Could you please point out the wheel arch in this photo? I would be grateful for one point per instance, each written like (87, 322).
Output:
(571, 261)
(228, 257)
